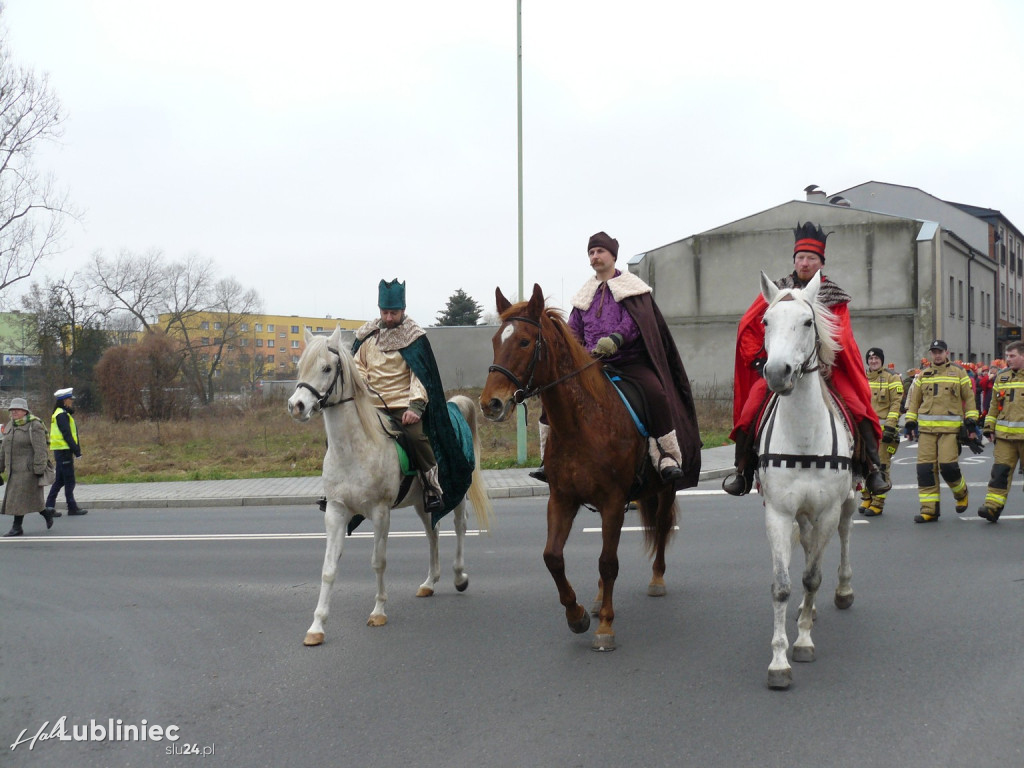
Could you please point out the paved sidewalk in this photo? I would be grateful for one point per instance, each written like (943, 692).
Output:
(501, 484)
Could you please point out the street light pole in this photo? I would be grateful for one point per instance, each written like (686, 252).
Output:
(521, 408)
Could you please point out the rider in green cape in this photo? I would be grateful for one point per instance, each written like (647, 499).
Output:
(394, 357)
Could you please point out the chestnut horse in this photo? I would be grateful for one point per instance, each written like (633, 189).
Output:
(595, 454)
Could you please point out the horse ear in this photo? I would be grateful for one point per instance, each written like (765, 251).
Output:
(811, 291)
(536, 305)
(501, 301)
(768, 289)
(336, 336)
(308, 335)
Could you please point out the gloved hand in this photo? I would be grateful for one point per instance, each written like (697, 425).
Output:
(988, 434)
(607, 345)
(975, 446)
(911, 425)
(971, 425)
(889, 435)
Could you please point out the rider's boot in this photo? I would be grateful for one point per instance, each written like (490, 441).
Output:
(666, 457)
(539, 473)
(740, 482)
(875, 480)
(431, 491)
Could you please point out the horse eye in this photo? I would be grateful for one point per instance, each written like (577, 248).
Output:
(327, 368)
(807, 323)
(524, 343)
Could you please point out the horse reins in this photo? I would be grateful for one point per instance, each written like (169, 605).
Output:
(524, 393)
(322, 400)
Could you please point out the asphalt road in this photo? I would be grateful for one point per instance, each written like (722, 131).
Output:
(193, 619)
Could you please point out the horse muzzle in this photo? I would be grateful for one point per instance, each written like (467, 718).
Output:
(496, 409)
(780, 378)
(299, 410)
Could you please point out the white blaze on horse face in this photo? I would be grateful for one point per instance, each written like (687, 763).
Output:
(789, 342)
(507, 333)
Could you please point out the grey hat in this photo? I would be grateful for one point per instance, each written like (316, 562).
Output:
(18, 402)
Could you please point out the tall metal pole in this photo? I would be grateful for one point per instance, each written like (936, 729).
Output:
(521, 408)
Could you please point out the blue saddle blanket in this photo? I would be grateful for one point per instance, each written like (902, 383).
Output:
(615, 379)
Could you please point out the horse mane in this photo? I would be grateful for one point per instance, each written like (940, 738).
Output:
(317, 355)
(826, 325)
(556, 329)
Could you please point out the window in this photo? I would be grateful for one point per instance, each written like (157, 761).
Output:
(243, 342)
(245, 327)
(949, 298)
(259, 342)
(270, 358)
(295, 358)
(295, 329)
(206, 341)
(270, 328)
(1002, 299)
(960, 297)
(258, 328)
(970, 306)
(216, 326)
(295, 343)
(319, 327)
(217, 341)
(205, 325)
(282, 335)
(270, 343)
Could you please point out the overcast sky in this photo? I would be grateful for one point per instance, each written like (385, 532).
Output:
(313, 147)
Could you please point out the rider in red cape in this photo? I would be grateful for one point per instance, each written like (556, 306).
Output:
(848, 379)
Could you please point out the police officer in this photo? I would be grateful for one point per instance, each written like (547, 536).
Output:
(1005, 421)
(65, 447)
(941, 401)
(886, 396)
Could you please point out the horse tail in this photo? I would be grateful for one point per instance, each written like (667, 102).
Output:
(477, 493)
(657, 527)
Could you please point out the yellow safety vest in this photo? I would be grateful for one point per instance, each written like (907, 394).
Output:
(57, 441)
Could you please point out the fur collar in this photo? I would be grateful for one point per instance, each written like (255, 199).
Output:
(829, 294)
(622, 286)
(391, 339)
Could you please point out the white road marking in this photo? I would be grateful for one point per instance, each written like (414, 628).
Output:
(230, 536)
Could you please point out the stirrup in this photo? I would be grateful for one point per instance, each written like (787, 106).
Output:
(432, 501)
(737, 484)
(539, 474)
(670, 473)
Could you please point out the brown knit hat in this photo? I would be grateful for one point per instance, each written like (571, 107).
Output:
(604, 240)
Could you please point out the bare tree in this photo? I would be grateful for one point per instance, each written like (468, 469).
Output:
(236, 307)
(33, 211)
(136, 282)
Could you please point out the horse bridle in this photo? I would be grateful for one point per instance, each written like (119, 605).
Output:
(805, 366)
(322, 400)
(524, 393)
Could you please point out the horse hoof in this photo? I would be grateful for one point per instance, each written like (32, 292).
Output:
(844, 601)
(313, 638)
(780, 679)
(424, 592)
(581, 625)
(463, 585)
(377, 621)
(803, 653)
(603, 643)
(656, 590)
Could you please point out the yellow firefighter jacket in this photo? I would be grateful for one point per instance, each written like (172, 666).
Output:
(1006, 413)
(941, 398)
(886, 396)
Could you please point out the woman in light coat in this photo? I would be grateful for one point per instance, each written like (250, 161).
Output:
(23, 458)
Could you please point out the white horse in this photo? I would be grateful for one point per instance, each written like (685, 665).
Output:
(805, 461)
(362, 475)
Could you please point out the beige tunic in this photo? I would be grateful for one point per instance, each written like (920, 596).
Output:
(387, 373)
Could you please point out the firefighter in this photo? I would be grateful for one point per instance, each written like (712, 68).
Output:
(1005, 424)
(941, 403)
(886, 396)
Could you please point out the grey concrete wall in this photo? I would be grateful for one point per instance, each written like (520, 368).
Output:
(705, 283)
